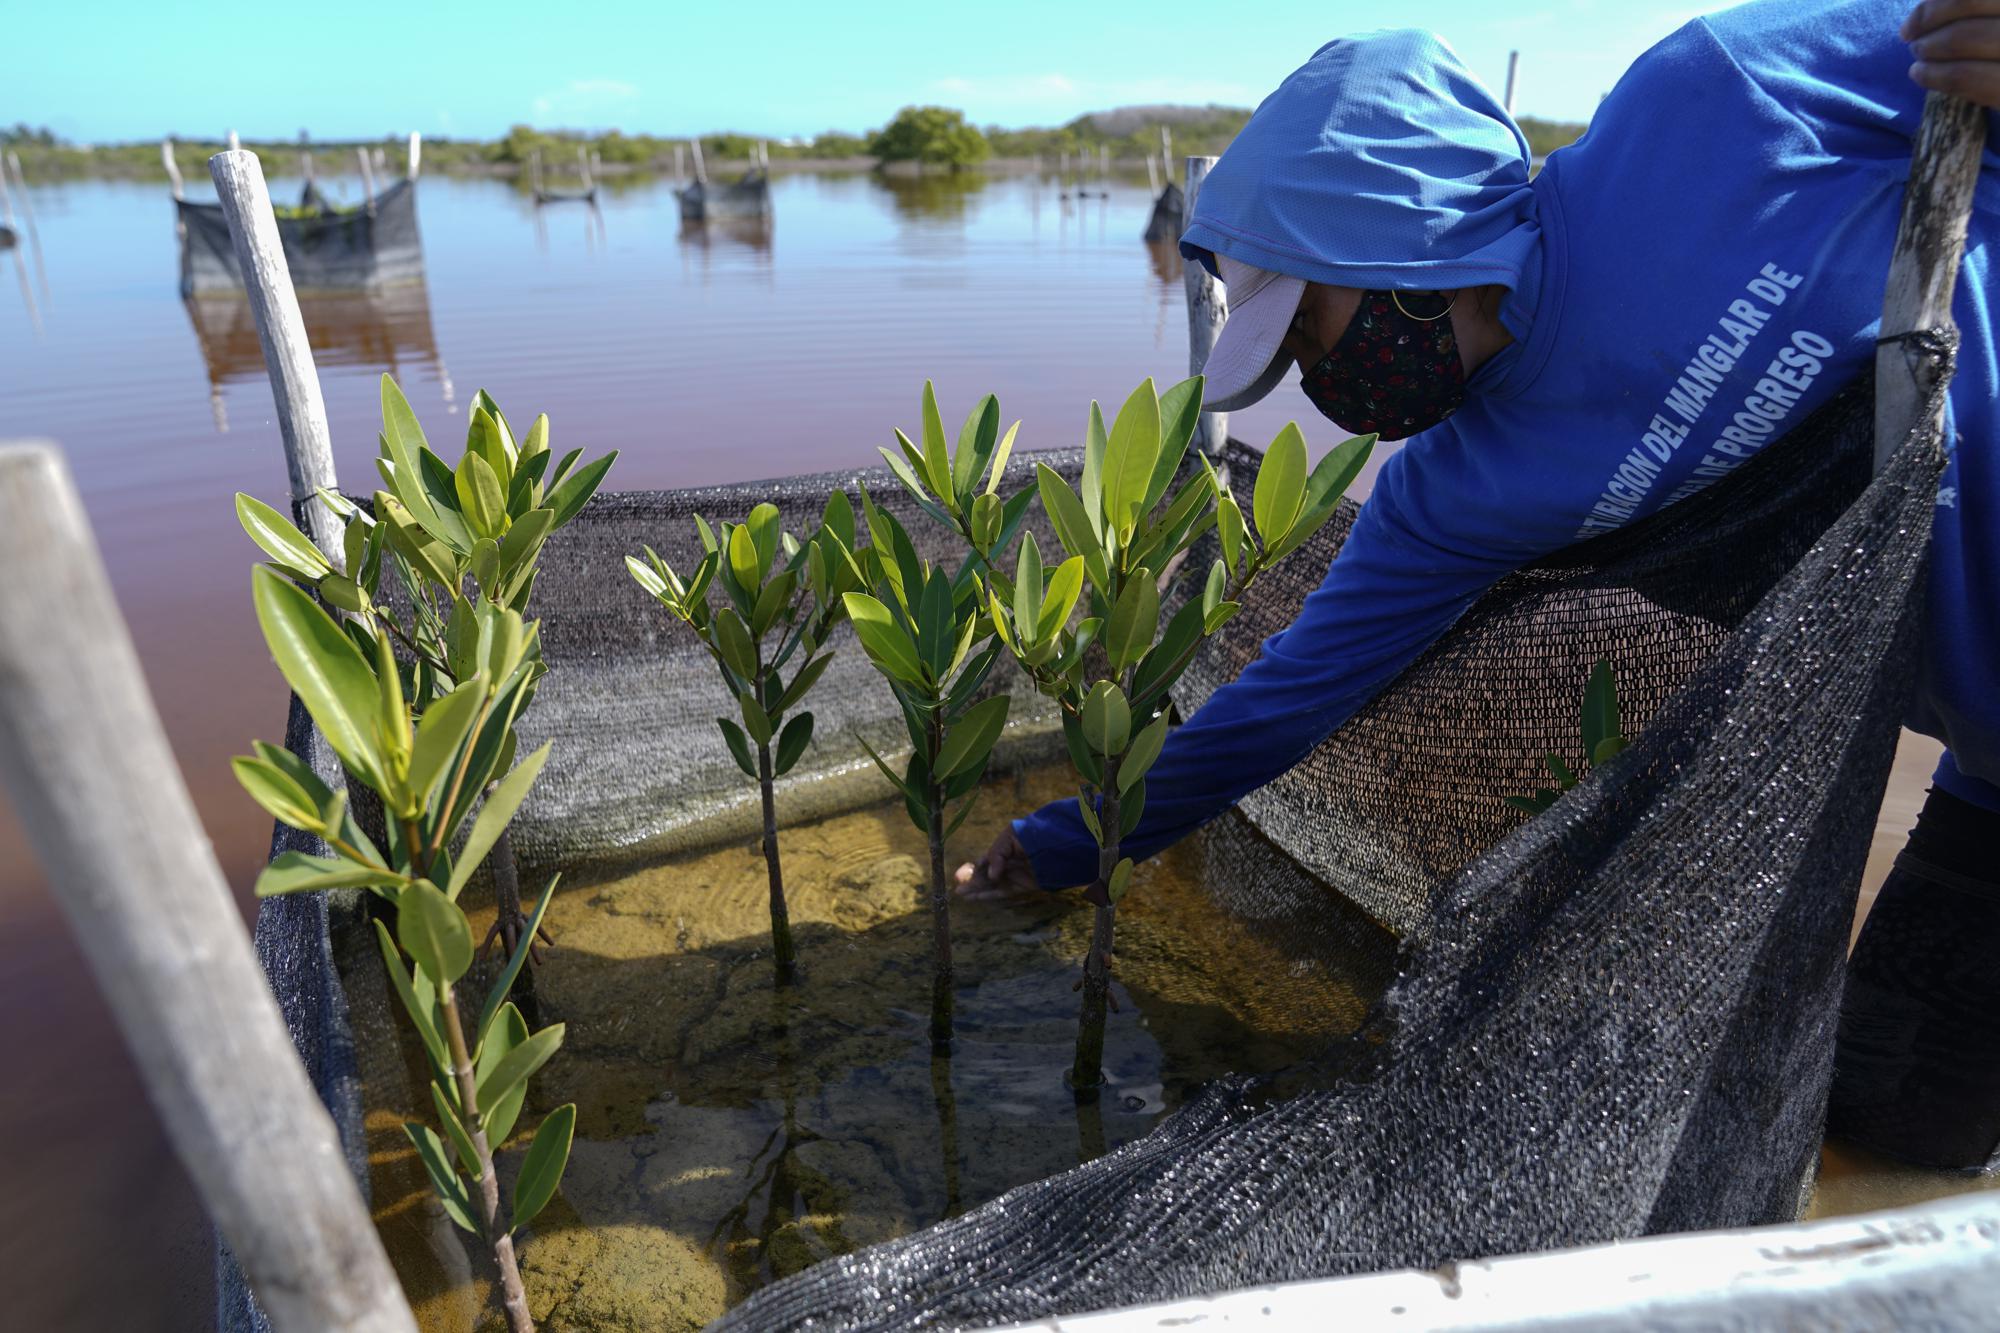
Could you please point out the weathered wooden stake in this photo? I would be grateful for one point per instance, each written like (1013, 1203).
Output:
(1513, 68)
(583, 168)
(700, 171)
(246, 206)
(234, 143)
(415, 160)
(173, 168)
(1207, 307)
(28, 217)
(1923, 269)
(677, 162)
(88, 767)
(367, 178)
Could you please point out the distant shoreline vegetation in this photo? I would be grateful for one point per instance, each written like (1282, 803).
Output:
(920, 137)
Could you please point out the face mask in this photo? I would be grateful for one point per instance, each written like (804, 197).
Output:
(1395, 371)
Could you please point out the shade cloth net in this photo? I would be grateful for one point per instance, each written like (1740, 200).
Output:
(327, 248)
(1611, 1020)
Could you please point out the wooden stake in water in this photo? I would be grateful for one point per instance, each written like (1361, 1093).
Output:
(1923, 269)
(367, 178)
(246, 206)
(234, 143)
(416, 157)
(87, 764)
(1513, 69)
(173, 168)
(1208, 309)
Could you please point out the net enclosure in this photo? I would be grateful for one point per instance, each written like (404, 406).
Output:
(1612, 1020)
(327, 248)
(746, 197)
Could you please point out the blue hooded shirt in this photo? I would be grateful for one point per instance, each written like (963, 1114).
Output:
(1696, 275)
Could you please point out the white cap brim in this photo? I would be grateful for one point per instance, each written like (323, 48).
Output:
(1246, 362)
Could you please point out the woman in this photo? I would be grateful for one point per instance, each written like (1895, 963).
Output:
(1696, 275)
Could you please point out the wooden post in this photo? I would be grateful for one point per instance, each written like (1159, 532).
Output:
(28, 217)
(1923, 269)
(305, 157)
(1167, 151)
(700, 172)
(234, 143)
(367, 178)
(535, 172)
(1513, 68)
(173, 168)
(246, 206)
(1152, 177)
(677, 162)
(86, 762)
(416, 157)
(583, 168)
(1207, 307)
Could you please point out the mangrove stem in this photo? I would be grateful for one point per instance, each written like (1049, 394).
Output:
(1087, 1074)
(781, 918)
(941, 981)
(513, 1295)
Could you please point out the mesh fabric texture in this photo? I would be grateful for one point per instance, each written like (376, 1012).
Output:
(328, 250)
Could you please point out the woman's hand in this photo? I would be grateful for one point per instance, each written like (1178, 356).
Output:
(1957, 46)
(1003, 873)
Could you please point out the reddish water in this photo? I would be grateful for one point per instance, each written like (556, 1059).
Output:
(703, 358)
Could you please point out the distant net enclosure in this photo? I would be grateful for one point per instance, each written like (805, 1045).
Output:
(327, 248)
(1611, 1020)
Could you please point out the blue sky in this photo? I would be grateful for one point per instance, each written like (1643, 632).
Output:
(125, 69)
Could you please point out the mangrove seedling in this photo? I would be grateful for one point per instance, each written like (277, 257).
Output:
(795, 602)
(1122, 535)
(456, 538)
(1602, 738)
(920, 628)
(945, 482)
(429, 774)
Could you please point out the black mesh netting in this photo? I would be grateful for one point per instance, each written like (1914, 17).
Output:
(326, 248)
(1612, 1020)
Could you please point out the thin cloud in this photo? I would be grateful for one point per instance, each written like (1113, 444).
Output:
(584, 98)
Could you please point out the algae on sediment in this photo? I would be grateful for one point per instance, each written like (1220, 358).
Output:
(731, 1131)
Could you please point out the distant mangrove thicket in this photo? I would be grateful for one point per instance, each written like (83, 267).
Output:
(927, 135)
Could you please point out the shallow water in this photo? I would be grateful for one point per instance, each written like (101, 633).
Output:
(730, 1133)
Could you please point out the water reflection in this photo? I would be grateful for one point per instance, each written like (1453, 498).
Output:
(943, 197)
(386, 330)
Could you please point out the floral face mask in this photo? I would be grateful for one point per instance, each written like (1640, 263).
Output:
(1395, 371)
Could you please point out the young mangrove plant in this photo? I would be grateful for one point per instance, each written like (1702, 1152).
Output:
(797, 602)
(1123, 536)
(945, 482)
(456, 538)
(1602, 738)
(920, 629)
(429, 775)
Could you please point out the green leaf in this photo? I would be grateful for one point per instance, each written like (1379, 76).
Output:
(733, 641)
(1180, 411)
(1089, 814)
(975, 446)
(434, 932)
(936, 629)
(743, 564)
(1162, 665)
(1223, 613)
(486, 437)
(495, 814)
(451, 1190)
(739, 746)
(403, 440)
(296, 872)
(792, 742)
(274, 533)
(1600, 707)
(771, 602)
(274, 789)
(1072, 525)
(808, 676)
(537, 441)
(755, 720)
(763, 525)
(566, 500)
(971, 740)
(895, 778)
(1135, 619)
(440, 485)
(542, 1168)
(1529, 803)
(887, 646)
(937, 463)
(1229, 530)
(1028, 591)
(343, 594)
(838, 518)
(959, 818)
(440, 732)
(507, 1033)
(1065, 586)
(324, 668)
(486, 564)
(1329, 481)
(1212, 591)
(519, 1065)
(1090, 485)
(497, 995)
(1080, 756)
(1107, 718)
(1121, 879)
(1560, 770)
(1131, 807)
(524, 539)
(1001, 454)
(468, 1156)
(1608, 749)
(419, 1011)
(1144, 750)
(1280, 488)
(1129, 458)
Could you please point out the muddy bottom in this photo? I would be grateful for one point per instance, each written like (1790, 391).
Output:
(730, 1132)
